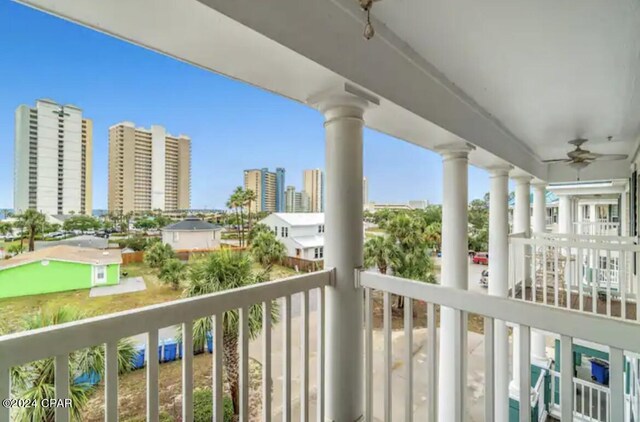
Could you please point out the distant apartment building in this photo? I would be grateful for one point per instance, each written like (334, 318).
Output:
(313, 185)
(149, 169)
(296, 201)
(53, 159)
(268, 187)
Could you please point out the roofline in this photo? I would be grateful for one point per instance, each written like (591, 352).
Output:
(58, 260)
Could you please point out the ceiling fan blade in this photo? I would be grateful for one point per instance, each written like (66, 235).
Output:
(611, 157)
(557, 160)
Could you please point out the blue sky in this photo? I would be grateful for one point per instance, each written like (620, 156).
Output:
(232, 125)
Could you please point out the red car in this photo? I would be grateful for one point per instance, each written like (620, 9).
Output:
(481, 258)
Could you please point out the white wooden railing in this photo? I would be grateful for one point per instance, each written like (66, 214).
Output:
(619, 335)
(589, 273)
(597, 228)
(590, 400)
(60, 340)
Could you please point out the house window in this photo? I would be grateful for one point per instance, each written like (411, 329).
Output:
(298, 252)
(275, 230)
(316, 253)
(321, 228)
(284, 232)
(321, 251)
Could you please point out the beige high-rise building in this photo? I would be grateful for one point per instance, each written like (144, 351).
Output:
(313, 186)
(149, 169)
(268, 187)
(53, 161)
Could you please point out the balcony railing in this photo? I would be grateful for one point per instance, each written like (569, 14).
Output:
(588, 273)
(620, 337)
(597, 228)
(61, 340)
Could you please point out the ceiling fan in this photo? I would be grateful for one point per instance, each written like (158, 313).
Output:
(580, 158)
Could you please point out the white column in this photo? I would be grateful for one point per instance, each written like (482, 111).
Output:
(452, 375)
(521, 224)
(564, 214)
(343, 114)
(538, 341)
(623, 215)
(499, 282)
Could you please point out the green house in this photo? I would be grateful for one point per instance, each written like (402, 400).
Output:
(57, 269)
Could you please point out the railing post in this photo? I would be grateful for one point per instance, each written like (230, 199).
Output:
(343, 110)
(453, 336)
(499, 286)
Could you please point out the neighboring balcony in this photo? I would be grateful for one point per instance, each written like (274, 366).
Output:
(399, 383)
(597, 228)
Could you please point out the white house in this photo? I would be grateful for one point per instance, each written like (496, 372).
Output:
(191, 234)
(302, 233)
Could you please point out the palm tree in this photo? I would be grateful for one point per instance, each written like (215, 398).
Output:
(32, 221)
(249, 197)
(5, 229)
(267, 250)
(217, 272)
(157, 254)
(378, 252)
(239, 197)
(35, 381)
(172, 273)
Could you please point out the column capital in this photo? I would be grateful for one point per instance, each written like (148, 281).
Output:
(499, 170)
(522, 179)
(539, 184)
(345, 100)
(454, 150)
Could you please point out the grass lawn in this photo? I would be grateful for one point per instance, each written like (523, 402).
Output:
(132, 391)
(14, 310)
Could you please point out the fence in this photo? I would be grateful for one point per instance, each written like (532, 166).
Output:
(132, 257)
(302, 265)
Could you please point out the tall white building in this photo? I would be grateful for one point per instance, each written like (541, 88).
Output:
(296, 201)
(52, 159)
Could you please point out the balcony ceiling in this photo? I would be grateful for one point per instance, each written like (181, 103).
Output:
(549, 70)
(516, 79)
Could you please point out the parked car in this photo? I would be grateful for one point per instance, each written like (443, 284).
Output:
(481, 258)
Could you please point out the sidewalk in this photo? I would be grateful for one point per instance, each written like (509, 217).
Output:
(475, 385)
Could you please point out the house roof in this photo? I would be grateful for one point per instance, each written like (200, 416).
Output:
(301, 218)
(66, 253)
(191, 224)
(550, 198)
(313, 241)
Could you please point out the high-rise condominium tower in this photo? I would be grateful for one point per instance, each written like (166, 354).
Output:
(149, 169)
(313, 185)
(52, 159)
(268, 187)
(296, 201)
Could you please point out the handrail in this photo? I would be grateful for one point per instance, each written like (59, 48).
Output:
(621, 334)
(558, 243)
(585, 237)
(28, 346)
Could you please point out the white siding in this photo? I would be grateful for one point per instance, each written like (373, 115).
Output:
(189, 240)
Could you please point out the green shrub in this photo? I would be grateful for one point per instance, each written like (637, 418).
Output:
(203, 406)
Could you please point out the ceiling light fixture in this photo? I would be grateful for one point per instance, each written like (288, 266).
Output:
(369, 32)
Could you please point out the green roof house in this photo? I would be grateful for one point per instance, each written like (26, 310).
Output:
(57, 269)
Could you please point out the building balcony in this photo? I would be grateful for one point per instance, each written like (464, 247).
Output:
(399, 368)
